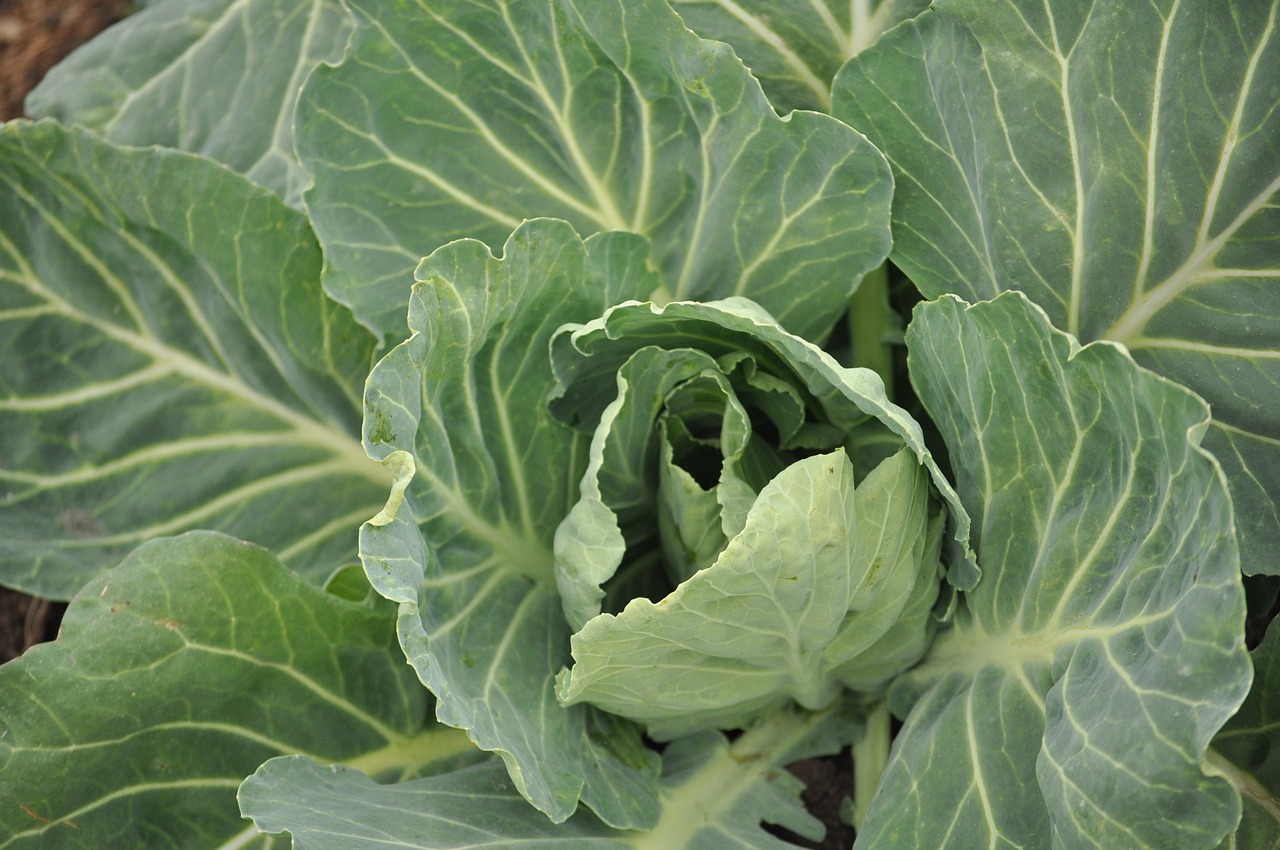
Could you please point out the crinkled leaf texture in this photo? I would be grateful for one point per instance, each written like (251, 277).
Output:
(709, 468)
(170, 363)
(795, 608)
(714, 796)
(1072, 702)
(216, 77)
(175, 675)
(795, 47)
(455, 119)
(485, 476)
(1119, 163)
(607, 382)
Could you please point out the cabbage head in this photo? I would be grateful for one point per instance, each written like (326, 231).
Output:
(756, 525)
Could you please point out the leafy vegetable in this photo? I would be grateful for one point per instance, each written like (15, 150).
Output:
(169, 365)
(1117, 162)
(216, 77)
(175, 675)
(715, 793)
(659, 467)
(795, 47)
(1084, 677)
(610, 115)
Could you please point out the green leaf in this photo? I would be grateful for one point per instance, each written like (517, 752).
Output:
(1117, 162)
(818, 575)
(176, 674)
(1073, 701)
(1247, 751)
(466, 550)
(460, 119)
(795, 47)
(170, 363)
(217, 77)
(614, 374)
(714, 797)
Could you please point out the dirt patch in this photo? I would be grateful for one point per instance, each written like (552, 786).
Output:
(36, 34)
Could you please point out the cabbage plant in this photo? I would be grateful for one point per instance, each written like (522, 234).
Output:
(544, 423)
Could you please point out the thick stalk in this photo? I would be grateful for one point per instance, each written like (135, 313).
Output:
(870, 756)
(872, 325)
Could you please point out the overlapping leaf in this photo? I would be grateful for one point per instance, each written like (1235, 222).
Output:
(459, 119)
(1119, 163)
(175, 676)
(466, 549)
(1247, 751)
(170, 363)
(714, 797)
(1074, 699)
(795, 47)
(589, 360)
(218, 77)
(791, 610)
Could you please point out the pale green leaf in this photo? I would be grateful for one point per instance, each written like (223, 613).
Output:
(217, 77)
(170, 363)
(467, 552)
(176, 674)
(615, 374)
(714, 797)
(819, 573)
(459, 119)
(795, 47)
(1119, 163)
(1072, 703)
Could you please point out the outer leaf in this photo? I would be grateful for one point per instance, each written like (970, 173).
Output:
(1119, 163)
(1247, 751)
(175, 675)
(818, 574)
(218, 77)
(459, 119)
(468, 552)
(795, 47)
(170, 362)
(1073, 701)
(714, 797)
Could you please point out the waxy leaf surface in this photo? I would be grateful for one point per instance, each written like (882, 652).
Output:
(466, 548)
(170, 363)
(1117, 162)
(459, 119)
(795, 47)
(714, 796)
(1247, 750)
(176, 674)
(217, 77)
(1072, 702)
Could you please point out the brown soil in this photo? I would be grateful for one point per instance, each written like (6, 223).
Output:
(35, 34)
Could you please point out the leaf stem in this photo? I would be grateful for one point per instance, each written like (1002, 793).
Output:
(871, 323)
(870, 757)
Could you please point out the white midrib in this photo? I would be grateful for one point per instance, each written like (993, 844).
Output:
(345, 448)
(1128, 328)
(307, 430)
(970, 648)
(716, 787)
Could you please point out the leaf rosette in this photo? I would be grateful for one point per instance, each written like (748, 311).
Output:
(720, 561)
